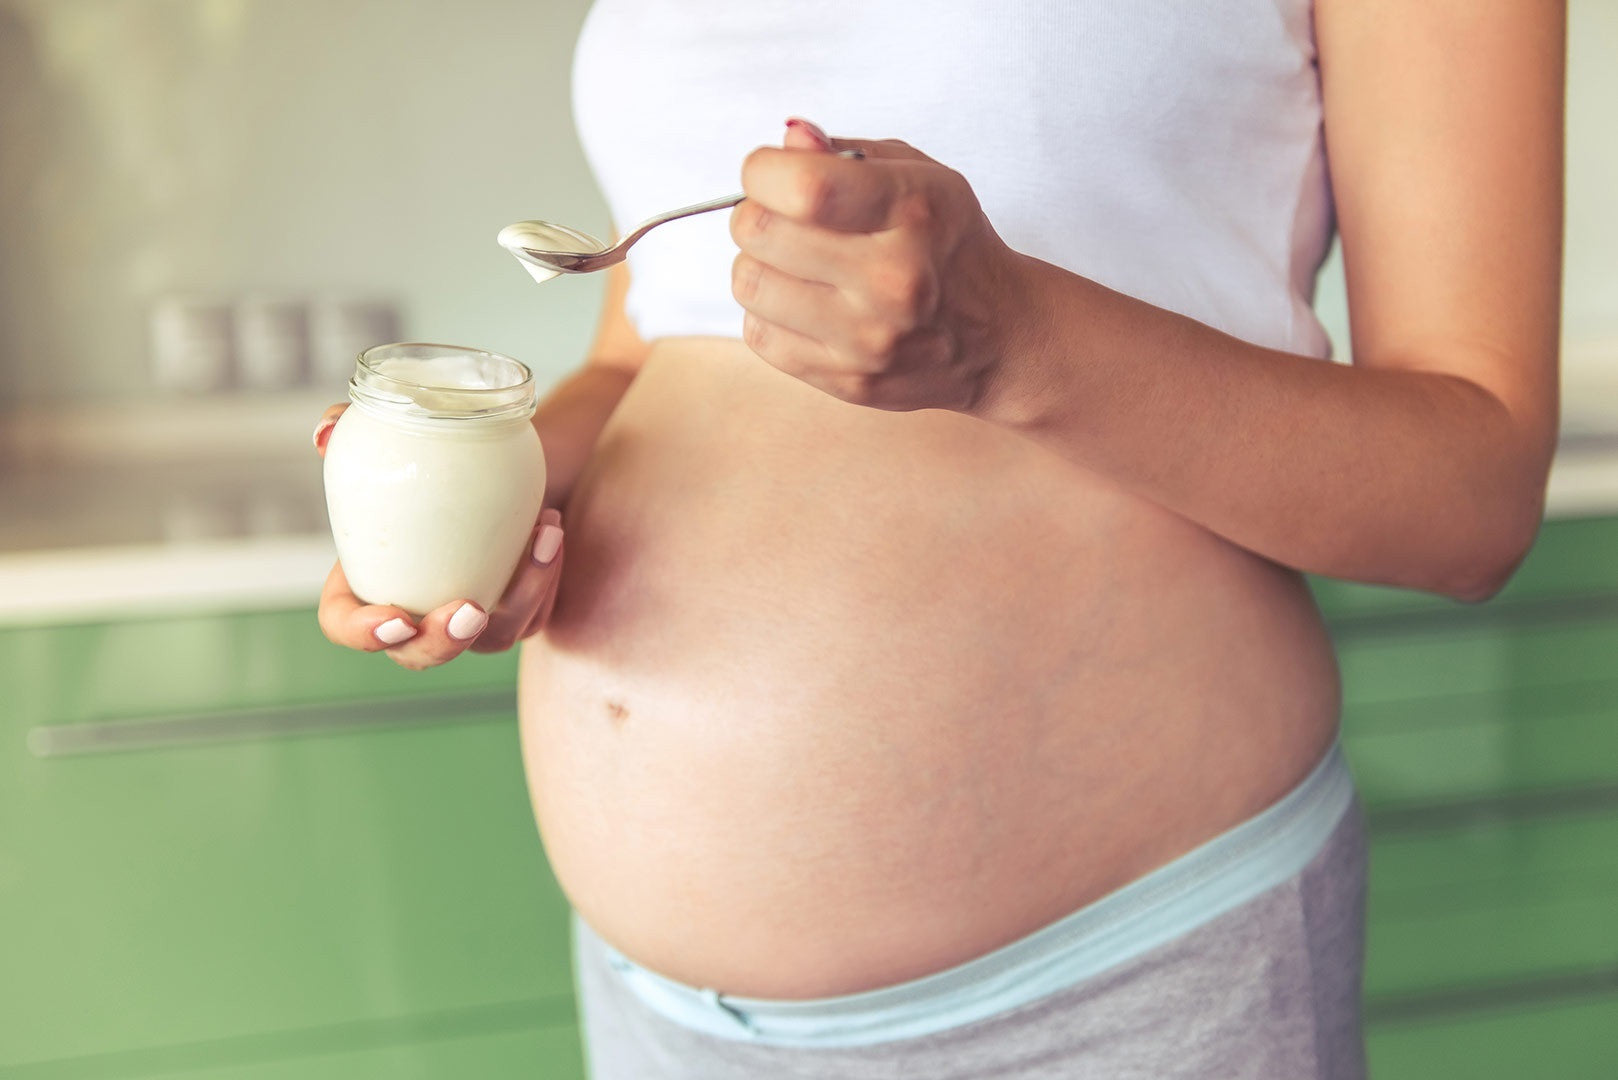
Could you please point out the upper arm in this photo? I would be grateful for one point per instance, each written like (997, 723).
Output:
(617, 343)
(1443, 126)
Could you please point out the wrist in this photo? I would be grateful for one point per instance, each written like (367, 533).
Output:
(569, 422)
(1020, 384)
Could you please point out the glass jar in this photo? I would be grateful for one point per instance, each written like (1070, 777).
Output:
(434, 476)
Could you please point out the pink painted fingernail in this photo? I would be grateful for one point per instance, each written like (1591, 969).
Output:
(811, 129)
(323, 432)
(548, 544)
(467, 622)
(394, 631)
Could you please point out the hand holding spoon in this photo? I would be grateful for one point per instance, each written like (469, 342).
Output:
(546, 249)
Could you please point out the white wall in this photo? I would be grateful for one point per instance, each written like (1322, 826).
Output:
(376, 146)
(305, 146)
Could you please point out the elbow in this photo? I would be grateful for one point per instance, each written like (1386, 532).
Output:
(1480, 583)
(1499, 528)
(1484, 567)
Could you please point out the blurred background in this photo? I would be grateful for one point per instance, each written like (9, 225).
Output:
(230, 850)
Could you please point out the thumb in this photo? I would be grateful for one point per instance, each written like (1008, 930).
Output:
(807, 135)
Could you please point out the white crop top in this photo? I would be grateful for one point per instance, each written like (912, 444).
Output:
(1167, 149)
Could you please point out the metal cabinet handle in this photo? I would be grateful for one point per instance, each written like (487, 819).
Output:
(195, 729)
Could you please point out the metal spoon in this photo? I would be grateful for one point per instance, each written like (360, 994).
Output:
(546, 249)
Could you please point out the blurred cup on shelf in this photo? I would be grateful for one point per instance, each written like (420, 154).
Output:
(340, 329)
(272, 342)
(191, 343)
(272, 512)
(192, 516)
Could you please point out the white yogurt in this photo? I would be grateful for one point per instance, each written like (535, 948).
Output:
(544, 236)
(434, 476)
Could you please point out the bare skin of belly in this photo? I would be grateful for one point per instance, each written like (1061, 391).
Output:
(833, 698)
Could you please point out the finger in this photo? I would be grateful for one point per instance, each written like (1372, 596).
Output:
(445, 633)
(786, 349)
(882, 149)
(853, 388)
(812, 308)
(884, 390)
(802, 250)
(542, 617)
(804, 134)
(530, 584)
(827, 190)
(903, 391)
(328, 420)
(348, 621)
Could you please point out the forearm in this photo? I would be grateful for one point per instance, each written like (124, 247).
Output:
(570, 420)
(1402, 477)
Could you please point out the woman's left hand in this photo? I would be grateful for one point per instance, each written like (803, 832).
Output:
(879, 281)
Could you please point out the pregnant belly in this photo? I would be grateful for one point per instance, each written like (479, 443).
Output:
(834, 698)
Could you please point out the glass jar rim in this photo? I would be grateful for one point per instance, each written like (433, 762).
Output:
(398, 379)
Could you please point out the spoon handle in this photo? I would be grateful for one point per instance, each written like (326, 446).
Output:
(685, 211)
(722, 203)
(725, 201)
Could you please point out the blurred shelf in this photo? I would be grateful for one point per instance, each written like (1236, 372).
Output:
(172, 428)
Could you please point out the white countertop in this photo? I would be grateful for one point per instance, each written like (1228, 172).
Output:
(1584, 483)
(88, 584)
(161, 507)
(241, 529)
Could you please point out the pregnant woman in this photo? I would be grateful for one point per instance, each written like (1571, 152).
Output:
(932, 689)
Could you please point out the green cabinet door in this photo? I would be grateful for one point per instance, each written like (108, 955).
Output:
(1491, 903)
(531, 1053)
(1575, 1040)
(225, 833)
(1484, 740)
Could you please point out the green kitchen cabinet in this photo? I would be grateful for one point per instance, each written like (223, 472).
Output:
(1513, 743)
(1493, 903)
(1577, 1040)
(1484, 740)
(227, 843)
(520, 1050)
(230, 850)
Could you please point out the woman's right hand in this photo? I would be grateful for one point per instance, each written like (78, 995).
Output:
(444, 633)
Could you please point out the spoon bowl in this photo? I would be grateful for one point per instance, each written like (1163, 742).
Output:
(546, 249)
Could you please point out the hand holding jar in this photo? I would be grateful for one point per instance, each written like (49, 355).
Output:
(434, 480)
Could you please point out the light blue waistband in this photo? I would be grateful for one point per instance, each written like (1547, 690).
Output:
(1223, 873)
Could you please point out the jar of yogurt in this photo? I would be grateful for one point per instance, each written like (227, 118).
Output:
(434, 476)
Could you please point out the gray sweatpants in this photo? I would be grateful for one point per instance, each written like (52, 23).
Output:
(1267, 991)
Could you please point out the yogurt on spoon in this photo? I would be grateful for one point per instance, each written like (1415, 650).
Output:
(544, 236)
